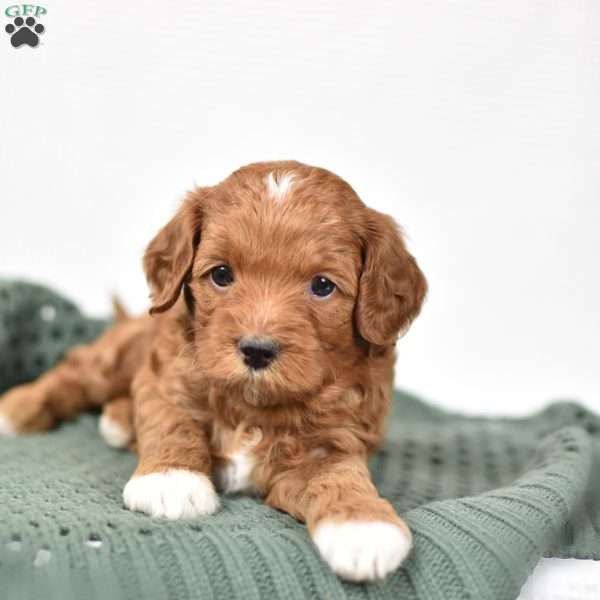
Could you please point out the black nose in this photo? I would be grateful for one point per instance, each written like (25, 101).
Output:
(258, 353)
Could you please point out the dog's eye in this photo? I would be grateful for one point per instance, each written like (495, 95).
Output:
(222, 276)
(322, 287)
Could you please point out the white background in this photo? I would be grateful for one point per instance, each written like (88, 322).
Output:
(475, 123)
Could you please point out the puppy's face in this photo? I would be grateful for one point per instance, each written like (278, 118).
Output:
(288, 277)
(276, 279)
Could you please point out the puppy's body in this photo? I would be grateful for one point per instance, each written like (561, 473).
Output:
(250, 373)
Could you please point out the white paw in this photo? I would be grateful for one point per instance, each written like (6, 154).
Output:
(6, 427)
(236, 474)
(113, 433)
(362, 550)
(174, 494)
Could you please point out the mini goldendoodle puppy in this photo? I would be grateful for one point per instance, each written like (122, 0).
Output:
(265, 365)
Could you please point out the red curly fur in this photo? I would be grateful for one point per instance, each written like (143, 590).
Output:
(311, 419)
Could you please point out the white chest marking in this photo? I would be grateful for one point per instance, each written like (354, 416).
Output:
(236, 474)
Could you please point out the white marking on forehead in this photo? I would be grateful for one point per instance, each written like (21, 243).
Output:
(279, 185)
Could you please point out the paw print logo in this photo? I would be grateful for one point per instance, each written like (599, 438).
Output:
(24, 32)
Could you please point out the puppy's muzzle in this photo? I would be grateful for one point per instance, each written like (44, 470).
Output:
(258, 353)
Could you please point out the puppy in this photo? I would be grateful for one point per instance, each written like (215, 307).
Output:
(265, 365)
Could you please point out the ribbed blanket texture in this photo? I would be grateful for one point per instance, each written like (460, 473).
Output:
(484, 497)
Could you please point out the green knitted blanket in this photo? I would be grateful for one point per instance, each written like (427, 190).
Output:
(485, 498)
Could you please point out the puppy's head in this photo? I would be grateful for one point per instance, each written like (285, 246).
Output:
(288, 279)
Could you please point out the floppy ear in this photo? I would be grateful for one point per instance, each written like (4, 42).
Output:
(391, 287)
(170, 255)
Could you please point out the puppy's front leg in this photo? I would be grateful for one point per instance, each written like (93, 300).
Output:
(172, 477)
(357, 532)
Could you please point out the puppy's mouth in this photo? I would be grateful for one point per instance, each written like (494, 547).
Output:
(269, 387)
(267, 397)
(264, 387)
(263, 374)
(251, 395)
